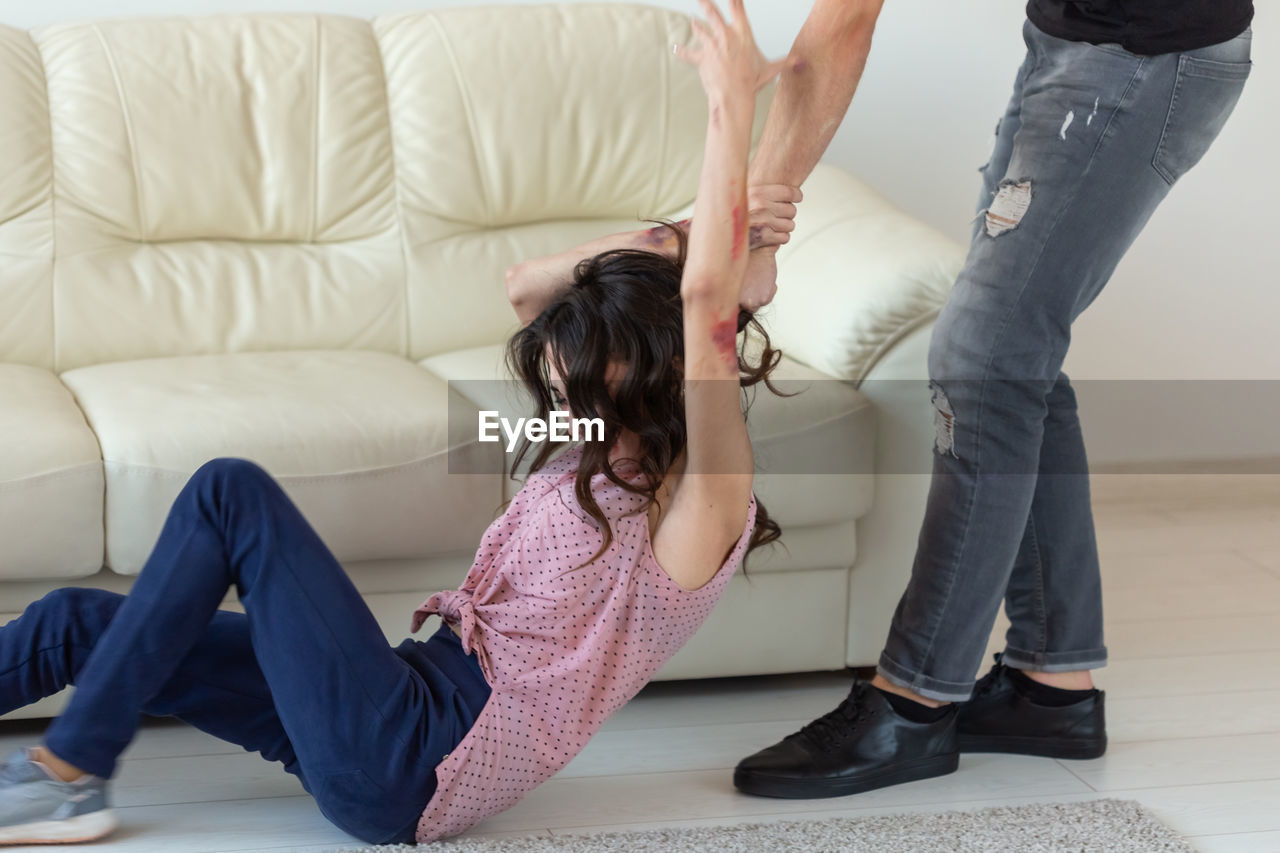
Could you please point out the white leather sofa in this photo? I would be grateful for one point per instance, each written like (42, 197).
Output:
(280, 236)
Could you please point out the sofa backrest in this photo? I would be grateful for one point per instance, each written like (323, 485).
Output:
(179, 186)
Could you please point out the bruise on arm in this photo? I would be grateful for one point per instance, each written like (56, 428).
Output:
(660, 239)
(724, 335)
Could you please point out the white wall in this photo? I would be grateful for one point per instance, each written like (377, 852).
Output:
(1197, 297)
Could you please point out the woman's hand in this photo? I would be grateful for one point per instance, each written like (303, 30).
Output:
(727, 58)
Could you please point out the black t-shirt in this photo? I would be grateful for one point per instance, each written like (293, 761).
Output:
(1147, 27)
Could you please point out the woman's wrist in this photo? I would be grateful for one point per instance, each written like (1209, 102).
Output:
(732, 101)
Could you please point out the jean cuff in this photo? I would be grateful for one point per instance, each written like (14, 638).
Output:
(97, 762)
(1055, 661)
(930, 688)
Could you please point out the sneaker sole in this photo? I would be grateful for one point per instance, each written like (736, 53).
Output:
(72, 830)
(763, 785)
(1072, 748)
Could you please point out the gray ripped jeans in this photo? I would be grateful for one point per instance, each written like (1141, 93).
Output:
(1092, 141)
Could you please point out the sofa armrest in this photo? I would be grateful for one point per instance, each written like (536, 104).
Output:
(858, 275)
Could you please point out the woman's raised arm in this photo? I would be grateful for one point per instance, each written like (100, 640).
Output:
(709, 506)
(533, 284)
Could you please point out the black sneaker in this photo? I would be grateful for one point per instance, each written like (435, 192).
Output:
(860, 746)
(1000, 718)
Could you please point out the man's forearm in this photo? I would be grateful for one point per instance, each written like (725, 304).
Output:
(816, 88)
(817, 85)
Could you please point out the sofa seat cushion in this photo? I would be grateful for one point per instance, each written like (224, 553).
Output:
(815, 451)
(50, 480)
(357, 439)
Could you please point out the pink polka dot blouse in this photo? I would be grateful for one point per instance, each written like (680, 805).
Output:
(562, 647)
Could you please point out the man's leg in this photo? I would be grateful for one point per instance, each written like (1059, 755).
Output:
(1057, 563)
(1099, 130)
(1048, 553)
(1054, 591)
(1100, 137)
(1046, 704)
(1054, 598)
(1054, 595)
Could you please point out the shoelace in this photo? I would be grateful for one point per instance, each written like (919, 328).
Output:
(989, 680)
(835, 726)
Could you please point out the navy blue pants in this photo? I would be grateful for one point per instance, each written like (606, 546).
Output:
(304, 676)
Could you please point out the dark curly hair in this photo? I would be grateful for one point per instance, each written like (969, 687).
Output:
(624, 305)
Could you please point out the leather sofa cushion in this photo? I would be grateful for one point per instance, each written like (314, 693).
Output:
(223, 184)
(50, 480)
(357, 439)
(335, 181)
(26, 205)
(539, 121)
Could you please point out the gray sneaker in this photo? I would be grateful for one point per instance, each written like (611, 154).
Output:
(38, 808)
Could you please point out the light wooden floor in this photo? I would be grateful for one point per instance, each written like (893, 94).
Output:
(1192, 571)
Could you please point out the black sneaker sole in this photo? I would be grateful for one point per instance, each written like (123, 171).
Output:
(1045, 747)
(764, 785)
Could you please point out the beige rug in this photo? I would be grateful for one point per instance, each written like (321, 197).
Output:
(1113, 826)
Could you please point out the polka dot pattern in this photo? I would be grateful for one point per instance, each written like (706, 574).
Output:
(562, 645)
